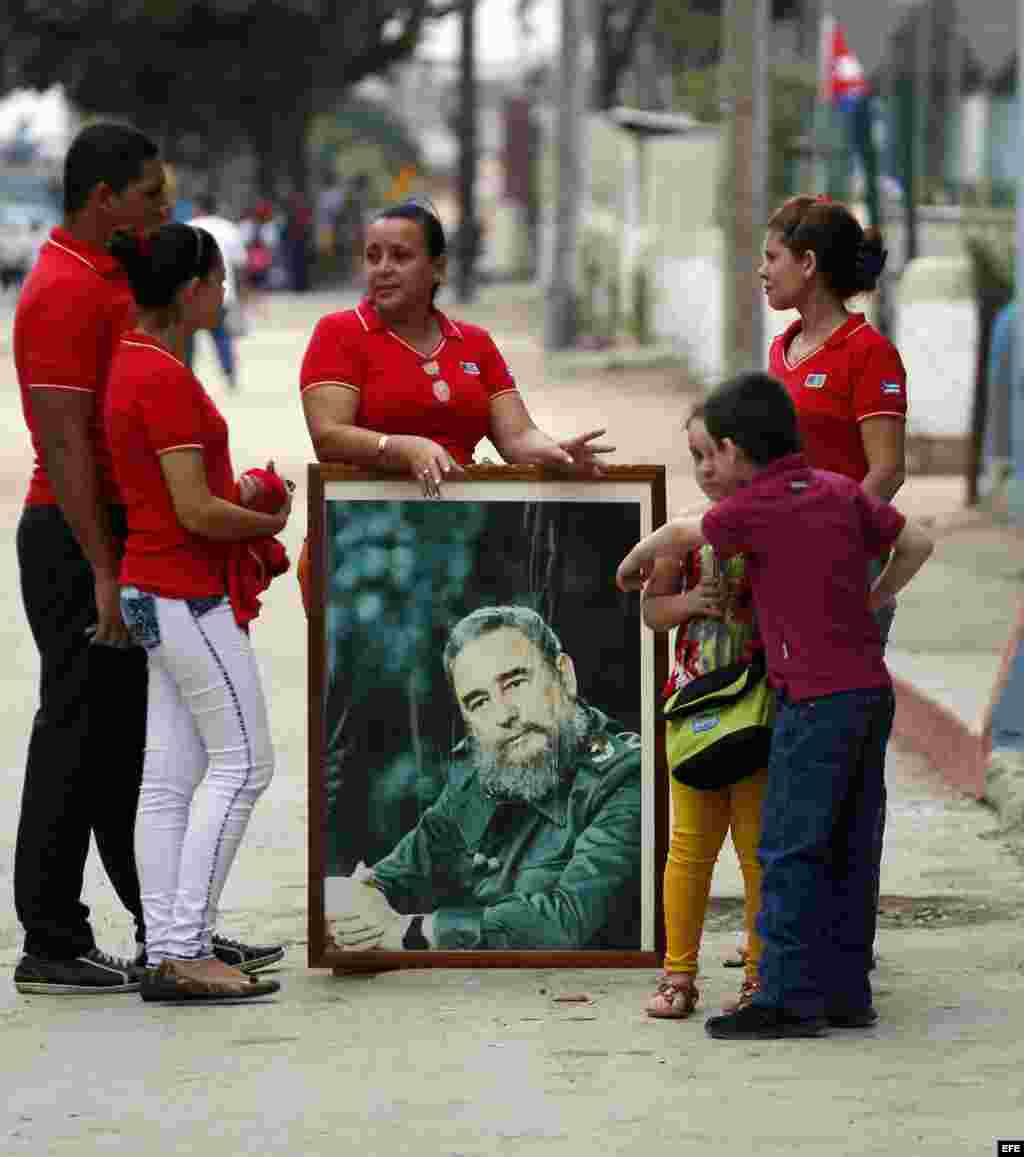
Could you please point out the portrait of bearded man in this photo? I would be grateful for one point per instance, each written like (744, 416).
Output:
(534, 841)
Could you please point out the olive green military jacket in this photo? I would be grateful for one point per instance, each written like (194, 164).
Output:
(561, 873)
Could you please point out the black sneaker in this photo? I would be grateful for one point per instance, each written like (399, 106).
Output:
(759, 1022)
(862, 1018)
(246, 957)
(91, 974)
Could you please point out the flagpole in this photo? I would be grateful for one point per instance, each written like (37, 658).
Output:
(822, 123)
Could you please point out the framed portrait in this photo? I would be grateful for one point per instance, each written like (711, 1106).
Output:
(487, 781)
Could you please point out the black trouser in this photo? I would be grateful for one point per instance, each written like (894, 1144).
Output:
(85, 754)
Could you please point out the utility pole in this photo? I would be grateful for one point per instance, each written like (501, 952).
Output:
(561, 304)
(745, 91)
(822, 120)
(469, 226)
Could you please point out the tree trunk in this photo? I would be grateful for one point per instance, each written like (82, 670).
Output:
(561, 317)
(468, 235)
(295, 162)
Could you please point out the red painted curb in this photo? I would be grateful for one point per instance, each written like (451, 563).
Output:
(945, 741)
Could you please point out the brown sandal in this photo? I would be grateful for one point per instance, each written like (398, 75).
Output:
(746, 995)
(675, 997)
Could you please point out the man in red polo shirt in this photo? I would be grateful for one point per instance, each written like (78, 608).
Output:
(806, 536)
(85, 753)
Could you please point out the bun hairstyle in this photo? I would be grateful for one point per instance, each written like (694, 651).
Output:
(850, 258)
(160, 264)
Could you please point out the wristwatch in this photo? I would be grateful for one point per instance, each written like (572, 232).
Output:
(414, 940)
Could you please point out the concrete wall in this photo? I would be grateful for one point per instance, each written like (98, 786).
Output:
(934, 325)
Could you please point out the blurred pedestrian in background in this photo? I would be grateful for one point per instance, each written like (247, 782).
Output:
(232, 322)
(260, 236)
(1003, 450)
(352, 225)
(297, 242)
(329, 205)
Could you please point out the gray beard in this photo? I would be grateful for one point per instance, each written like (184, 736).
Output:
(539, 777)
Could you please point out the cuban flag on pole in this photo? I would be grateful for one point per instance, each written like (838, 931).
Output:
(845, 79)
(844, 87)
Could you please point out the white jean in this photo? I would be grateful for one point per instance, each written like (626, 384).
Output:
(208, 759)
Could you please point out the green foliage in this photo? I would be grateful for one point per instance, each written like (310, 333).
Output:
(228, 70)
(640, 315)
(697, 93)
(792, 96)
(398, 567)
(689, 37)
(360, 136)
(992, 265)
(791, 92)
(600, 296)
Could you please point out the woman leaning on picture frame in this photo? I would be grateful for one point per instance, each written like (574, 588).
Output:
(395, 385)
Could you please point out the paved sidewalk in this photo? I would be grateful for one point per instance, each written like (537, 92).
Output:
(462, 1064)
(951, 628)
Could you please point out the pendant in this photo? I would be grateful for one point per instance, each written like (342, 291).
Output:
(431, 368)
(442, 391)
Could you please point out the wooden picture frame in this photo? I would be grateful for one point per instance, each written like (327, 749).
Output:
(397, 734)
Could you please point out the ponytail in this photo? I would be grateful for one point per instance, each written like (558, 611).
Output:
(850, 258)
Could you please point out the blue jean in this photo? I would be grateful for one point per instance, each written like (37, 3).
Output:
(225, 349)
(1008, 714)
(819, 831)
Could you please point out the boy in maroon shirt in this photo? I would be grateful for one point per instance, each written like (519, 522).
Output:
(807, 536)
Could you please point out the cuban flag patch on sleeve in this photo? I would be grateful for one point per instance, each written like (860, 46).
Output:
(815, 381)
(892, 388)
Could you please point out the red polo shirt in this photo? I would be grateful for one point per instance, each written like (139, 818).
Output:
(807, 536)
(155, 404)
(445, 395)
(71, 311)
(856, 374)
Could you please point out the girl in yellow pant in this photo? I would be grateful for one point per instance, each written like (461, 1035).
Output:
(700, 819)
(712, 607)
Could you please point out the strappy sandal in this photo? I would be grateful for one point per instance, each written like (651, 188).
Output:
(746, 995)
(675, 997)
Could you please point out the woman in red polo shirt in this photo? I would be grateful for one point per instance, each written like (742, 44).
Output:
(207, 718)
(396, 385)
(846, 379)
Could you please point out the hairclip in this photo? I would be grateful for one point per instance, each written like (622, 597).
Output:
(424, 203)
(199, 248)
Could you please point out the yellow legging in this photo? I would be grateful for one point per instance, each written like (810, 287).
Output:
(700, 819)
